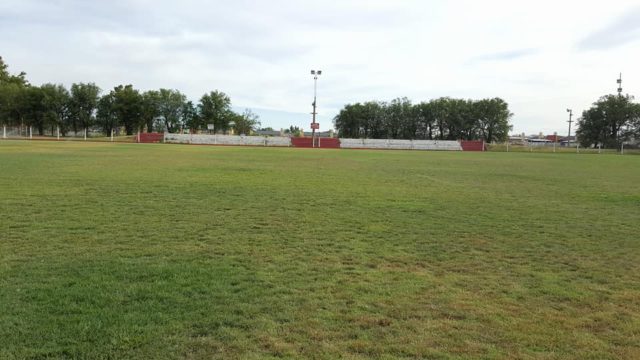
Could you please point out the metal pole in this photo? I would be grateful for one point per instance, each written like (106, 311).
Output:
(58, 132)
(4, 131)
(30, 132)
(313, 129)
(111, 135)
(85, 134)
(622, 149)
(570, 121)
(507, 145)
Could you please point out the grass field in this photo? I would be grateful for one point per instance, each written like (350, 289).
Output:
(168, 251)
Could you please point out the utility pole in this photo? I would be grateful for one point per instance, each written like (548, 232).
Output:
(570, 121)
(314, 125)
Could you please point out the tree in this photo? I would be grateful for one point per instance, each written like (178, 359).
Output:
(246, 122)
(11, 92)
(399, 119)
(106, 115)
(83, 103)
(150, 109)
(57, 106)
(612, 120)
(190, 116)
(425, 120)
(128, 107)
(493, 119)
(170, 106)
(7, 78)
(31, 107)
(294, 131)
(215, 108)
(362, 120)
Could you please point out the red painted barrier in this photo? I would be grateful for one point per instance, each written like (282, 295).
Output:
(476, 145)
(150, 137)
(323, 143)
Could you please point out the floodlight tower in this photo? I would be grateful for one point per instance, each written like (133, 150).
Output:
(620, 85)
(570, 121)
(314, 125)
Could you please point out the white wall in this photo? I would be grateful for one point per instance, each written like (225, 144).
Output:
(450, 145)
(227, 140)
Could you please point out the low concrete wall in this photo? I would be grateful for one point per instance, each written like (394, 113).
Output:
(227, 140)
(447, 145)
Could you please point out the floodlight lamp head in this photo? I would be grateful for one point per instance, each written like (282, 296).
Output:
(568, 110)
(319, 72)
(313, 72)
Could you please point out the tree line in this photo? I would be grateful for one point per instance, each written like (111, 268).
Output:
(439, 119)
(83, 106)
(610, 122)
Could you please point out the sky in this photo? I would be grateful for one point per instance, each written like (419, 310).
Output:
(542, 57)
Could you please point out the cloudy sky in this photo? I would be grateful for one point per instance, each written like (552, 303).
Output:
(540, 56)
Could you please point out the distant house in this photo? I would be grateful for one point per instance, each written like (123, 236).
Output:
(567, 139)
(326, 134)
(270, 132)
(538, 142)
(553, 138)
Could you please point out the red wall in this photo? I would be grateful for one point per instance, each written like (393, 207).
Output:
(306, 142)
(468, 145)
(151, 137)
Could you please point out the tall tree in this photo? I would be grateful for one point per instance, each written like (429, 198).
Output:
(32, 108)
(611, 120)
(128, 107)
(215, 108)
(150, 109)
(57, 106)
(106, 116)
(493, 119)
(170, 106)
(11, 94)
(7, 78)
(246, 123)
(83, 104)
(425, 120)
(190, 117)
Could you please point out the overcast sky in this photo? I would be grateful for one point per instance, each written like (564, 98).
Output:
(540, 56)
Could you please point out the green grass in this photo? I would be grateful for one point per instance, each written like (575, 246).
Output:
(168, 252)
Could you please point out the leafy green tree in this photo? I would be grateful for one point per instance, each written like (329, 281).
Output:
(106, 116)
(362, 120)
(190, 117)
(246, 123)
(170, 106)
(128, 106)
(11, 95)
(7, 78)
(612, 120)
(150, 109)
(215, 108)
(399, 119)
(493, 119)
(57, 101)
(425, 120)
(32, 109)
(83, 104)
(293, 131)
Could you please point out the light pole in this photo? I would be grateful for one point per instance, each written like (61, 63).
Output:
(314, 125)
(570, 121)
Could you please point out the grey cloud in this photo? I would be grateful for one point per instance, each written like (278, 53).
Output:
(506, 55)
(623, 30)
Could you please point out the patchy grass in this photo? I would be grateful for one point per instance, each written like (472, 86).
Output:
(168, 251)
